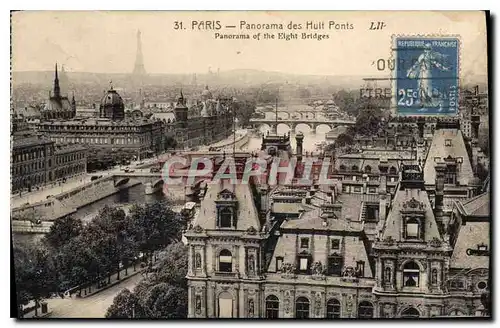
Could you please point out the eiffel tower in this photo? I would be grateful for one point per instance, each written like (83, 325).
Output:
(139, 61)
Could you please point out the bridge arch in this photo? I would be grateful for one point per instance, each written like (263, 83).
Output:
(283, 114)
(303, 127)
(263, 127)
(323, 128)
(283, 128)
(121, 181)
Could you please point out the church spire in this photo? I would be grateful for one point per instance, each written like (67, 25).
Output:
(57, 88)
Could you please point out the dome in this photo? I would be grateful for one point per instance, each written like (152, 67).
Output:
(111, 98)
(112, 106)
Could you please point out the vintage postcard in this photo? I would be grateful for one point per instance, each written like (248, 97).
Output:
(272, 165)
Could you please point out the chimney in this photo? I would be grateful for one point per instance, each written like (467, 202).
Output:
(438, 202)
(383, 168)
(475, 121)
(421, 124)
(299, 138)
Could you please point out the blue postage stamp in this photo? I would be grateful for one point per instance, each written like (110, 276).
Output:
(427, 72)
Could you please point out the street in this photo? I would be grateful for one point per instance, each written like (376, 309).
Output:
(94, 306)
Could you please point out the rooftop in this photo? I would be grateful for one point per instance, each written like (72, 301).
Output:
(99, 122)
(448, 143)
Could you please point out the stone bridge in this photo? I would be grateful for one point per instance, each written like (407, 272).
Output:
(185, 186)
(298, 114)
(293, 123)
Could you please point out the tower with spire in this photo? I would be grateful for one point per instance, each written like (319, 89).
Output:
(139, 60)
(58, 106)
(57, 88)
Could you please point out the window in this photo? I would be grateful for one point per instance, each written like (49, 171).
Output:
(354, 178)
(410, 313)
(482, 285)
(437, 159)
(456, 313)
(365, 310)
(335, 264)
(303, 264)
(411, 274)
(372, 190)
(412, 228)
(336, 244)
(447, 142)
(368, 169)
(304, 242)
(225, 218)
(225, 305)
(360, 269)
(279, 263)
(357, 189)
(372, 213)
(450, 175)
(342, 167)
(272, 307)
(354, 168)
(225, 261)
(333, 309)
(302, 308)
(345, 188)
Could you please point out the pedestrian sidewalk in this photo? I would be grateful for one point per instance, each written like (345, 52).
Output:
(49, 190)
(114, 281)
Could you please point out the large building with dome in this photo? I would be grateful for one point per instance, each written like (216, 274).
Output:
(206, 121)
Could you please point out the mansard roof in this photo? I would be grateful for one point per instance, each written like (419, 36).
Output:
(477, 206)
(405, 201)
(312, 220)
(448, 143)
(472, 234)
(247, 215)
(352, 247)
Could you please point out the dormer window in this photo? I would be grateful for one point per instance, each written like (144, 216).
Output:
(450, 176)
(447, 142)
(225, 218)
(412, 228)
(226, 205)
(279, 263)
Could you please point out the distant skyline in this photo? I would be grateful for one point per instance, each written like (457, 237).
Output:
(105, 42)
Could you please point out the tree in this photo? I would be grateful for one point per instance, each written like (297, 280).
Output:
(62, 231)
(155, 226)
(368, 122)
(344, 139)
(167, 301)
(34, 275)
(75, 264)
(125, 305)
(173, 265)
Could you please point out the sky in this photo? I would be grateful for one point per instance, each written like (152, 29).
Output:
(105, 42)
